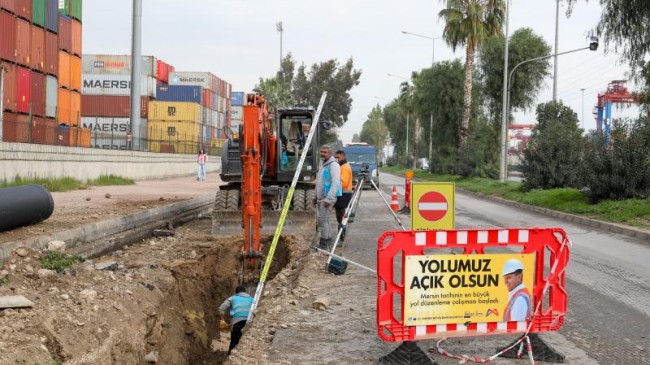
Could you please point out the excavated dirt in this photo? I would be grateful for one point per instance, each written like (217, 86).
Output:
(155, 300)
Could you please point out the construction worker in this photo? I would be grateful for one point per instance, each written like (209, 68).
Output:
(346, 187)
(328, 188)
(239, 306)
(519, 300)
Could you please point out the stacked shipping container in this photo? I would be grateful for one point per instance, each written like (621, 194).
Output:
(40, 50)
(106, 101)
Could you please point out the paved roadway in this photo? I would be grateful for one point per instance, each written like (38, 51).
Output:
(608, 281)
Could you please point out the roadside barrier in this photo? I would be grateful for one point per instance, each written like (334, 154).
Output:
(455, 283)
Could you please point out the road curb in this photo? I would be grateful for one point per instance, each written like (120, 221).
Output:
(593, 223)
(99, 230)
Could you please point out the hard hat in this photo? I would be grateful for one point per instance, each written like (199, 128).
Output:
(511, 266)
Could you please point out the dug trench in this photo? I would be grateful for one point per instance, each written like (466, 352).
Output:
(155, 301)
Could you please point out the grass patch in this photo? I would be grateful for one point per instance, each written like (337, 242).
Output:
(68, 183)
(106, 180)
(58, 261)
(634, 212)
(5, 280)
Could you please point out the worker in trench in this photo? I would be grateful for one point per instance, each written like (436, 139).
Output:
(239, 306)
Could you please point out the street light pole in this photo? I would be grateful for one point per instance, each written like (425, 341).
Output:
(557, 33)
(593, 45)
(504, 108)
(583, 107)
(280, 29)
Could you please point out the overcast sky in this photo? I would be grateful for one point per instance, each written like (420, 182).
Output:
(238, 41)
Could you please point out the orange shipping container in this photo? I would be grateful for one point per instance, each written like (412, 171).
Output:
(75, 72)
(84, 137)
(23, 34)
(9, 95)
(64, 69)
(76, 37)
(64, 107)
(75, 108)
(51, 54)
(38, 48)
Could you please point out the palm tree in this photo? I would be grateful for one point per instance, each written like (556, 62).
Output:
(469, 23)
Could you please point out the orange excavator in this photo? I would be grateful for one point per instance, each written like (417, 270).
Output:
(258, 164)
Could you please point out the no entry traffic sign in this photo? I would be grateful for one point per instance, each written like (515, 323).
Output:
(432, 206)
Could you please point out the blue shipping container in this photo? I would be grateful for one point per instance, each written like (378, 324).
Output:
(237, 98)
(185, 93)
(52, 16)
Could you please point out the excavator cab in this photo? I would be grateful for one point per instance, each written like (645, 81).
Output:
(293, 128)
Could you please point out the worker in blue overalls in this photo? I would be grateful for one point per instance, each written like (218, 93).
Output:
(239, 306)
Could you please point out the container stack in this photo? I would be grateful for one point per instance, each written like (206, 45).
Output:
(236, 113)
(106, 101)
(40, 52)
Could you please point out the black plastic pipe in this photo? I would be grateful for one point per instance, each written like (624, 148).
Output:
(24, 205)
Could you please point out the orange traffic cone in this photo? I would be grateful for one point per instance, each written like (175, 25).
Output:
(394, 203)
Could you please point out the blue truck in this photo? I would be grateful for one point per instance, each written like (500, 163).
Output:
(358, 154)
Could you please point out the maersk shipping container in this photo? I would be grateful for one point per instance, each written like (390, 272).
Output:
(190, 94)
(94, 84)
(37, 93)
(51, 54)
(116, 64)
(51, 96)
(203, 79)
(175, 111)
(7, 36)
(111, 133)
(23, 36)
(52, 16)
(38, 12)
(111, 106)
(37, 57)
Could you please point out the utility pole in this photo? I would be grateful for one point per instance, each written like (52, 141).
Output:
(136, 74)
(280, 29)
(583, 107)
(557, 33)
(503, 173)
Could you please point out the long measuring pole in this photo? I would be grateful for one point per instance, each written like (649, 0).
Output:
(285, 208)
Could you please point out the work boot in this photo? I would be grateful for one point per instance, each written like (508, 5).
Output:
(325, 244)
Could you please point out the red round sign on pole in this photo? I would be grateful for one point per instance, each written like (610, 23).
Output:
(432, 206)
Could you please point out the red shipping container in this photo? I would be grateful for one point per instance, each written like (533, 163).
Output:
(63, 111)
(37, 59)
(23, 9)
(7, 36)
(75, 108)
(9, 82)
(111, 106)
(23, 89)
(65, 33)
(43, 130)
(9, 5)
(51, 54)
(75, 34)
(64, 69)
(23, 34)
(37, 94)
(15, 128)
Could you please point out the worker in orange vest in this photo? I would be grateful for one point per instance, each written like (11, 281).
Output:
(346, 185)
(519, 300)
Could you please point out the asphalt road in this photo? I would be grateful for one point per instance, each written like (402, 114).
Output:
(608, 282)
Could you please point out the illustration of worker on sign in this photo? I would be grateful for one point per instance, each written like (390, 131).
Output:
(519, 300)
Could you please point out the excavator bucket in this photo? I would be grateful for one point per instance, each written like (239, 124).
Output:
(227, 216)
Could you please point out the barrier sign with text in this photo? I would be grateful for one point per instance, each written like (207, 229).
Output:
(467, 288)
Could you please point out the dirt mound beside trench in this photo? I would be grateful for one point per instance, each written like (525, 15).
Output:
(157, 299)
